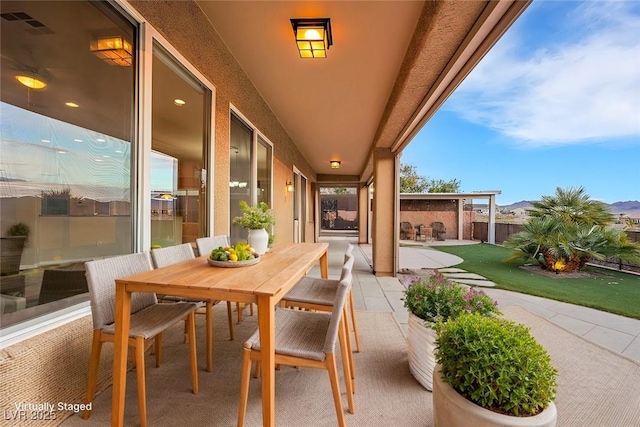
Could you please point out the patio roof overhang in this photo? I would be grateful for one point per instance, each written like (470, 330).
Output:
(391, 66)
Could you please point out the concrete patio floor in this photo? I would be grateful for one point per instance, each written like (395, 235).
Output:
(372, 293)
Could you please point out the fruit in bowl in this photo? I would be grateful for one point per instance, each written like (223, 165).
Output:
(239, 252)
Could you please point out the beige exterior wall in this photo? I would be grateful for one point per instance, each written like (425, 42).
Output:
(185, 26)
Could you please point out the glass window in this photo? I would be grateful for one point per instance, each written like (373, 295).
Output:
(248, 152)
(180, 129)
(239, 173)
(66, 108)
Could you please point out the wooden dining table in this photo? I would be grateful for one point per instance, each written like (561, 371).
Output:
(264, 284)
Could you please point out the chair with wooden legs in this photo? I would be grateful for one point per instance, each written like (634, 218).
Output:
(205, 246)
(172, 254)
(317, 294)
(305, 339)
(148, 320)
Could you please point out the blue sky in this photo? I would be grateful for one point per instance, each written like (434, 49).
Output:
(555, 103)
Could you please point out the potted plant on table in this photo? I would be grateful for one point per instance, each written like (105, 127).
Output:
(431, 300)
(256, 219)
(491, 372)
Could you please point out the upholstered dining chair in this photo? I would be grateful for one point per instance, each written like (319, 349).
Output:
(317, 294)
(205, 246)
(148, 320)
(305, 339)
(163, 257)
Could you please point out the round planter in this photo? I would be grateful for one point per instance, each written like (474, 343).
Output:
(420, 347)
(259, 240)
(450, 409)
(11, 254)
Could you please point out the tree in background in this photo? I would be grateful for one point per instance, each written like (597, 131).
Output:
(568, 230)
(412, 182)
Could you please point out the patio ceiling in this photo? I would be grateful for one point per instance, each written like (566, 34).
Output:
(392, 64)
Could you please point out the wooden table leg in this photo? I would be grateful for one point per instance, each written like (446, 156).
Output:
(324, 265)
(266, 324)
(121, 347)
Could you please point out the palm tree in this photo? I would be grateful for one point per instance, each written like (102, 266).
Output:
(568, 230)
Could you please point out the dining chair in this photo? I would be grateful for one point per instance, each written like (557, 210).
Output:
(148, 320)
(305, 339)
(163, 257)
(205, 246)
(317, 294)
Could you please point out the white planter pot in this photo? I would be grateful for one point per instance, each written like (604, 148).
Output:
(420, 347)
(451, 409)
(259, 240)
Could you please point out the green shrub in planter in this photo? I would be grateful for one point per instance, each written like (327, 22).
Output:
(19, 229)
(496, 364)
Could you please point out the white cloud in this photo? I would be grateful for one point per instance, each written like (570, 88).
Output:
(571, 91)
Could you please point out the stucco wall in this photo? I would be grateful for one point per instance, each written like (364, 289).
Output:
(186, 27)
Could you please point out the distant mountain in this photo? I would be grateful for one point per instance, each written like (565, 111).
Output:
(628, 207)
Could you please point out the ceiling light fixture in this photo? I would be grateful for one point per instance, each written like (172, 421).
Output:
(335, 164)
(71, 104)
(113, 50)
(313, 36)
(179, 102)
(31, 82)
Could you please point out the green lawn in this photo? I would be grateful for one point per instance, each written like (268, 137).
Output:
(616, 293)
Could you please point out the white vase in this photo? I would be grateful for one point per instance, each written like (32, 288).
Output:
(421, 344)
(451, 409)
(259, 240)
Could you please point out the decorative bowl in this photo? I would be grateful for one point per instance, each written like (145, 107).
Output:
(233, 264)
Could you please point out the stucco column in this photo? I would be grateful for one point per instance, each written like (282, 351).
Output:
(384, 212)
(363, 213)
(491, 227)
(460, 218)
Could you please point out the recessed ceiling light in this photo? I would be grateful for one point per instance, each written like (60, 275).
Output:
(179, 102)
(77, 140)
(62, 152)
(31, 82)
(119, 151)
(98, 160)
(71, 104)
(100, 140)
(44, 140)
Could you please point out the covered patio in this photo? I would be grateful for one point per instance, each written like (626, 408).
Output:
(386, 393)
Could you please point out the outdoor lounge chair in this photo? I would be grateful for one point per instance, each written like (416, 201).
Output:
(407, 232)
(439, 230)
(173, 254)
(148, 320)
(305, 339)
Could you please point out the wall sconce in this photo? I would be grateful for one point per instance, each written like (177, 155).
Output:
(313, 36)
(335, 164)
(289, 186)
(113, 50)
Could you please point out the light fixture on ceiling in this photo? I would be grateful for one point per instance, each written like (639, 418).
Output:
(179, 102)
(233, 182)
(31, 82)
(289, 186)
(313, 36)
(71, 104)
(113, 50)
(335, 164)
(164, 196)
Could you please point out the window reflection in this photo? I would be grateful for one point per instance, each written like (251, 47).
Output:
(65, 172)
